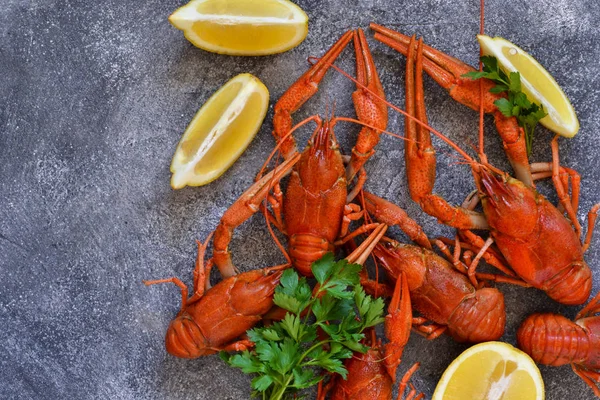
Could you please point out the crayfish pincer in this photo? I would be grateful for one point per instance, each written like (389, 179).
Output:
(449, 72)
(214, 320)
(372, 375)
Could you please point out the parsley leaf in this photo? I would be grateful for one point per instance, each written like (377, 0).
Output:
(293, 293)
(271, 334)
(505, 107)
(288, 353)
(304, 378)
(244, 361)
(262, 383)
(370, 310)
(516, 104)
(321, 268)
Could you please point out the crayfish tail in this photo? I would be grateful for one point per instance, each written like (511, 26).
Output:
(552, 339)
(479, 318)
(185, 339)
(571, 286)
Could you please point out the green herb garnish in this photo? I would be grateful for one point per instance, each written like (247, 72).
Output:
(289, 353)
(516, 105)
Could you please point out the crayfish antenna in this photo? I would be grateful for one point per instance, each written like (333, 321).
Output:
(178, 283)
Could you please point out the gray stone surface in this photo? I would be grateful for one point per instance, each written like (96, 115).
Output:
(95, 96)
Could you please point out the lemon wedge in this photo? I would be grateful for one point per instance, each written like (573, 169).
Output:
(242, 27)
(536, 83)
(491, 371)
(220, 132)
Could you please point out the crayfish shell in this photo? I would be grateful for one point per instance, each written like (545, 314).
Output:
(480, 318)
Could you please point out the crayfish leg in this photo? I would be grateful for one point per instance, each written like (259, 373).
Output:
(428, 329)
(590, 308)
(563, 196)
(244, 207)
(362, 252)
(592, 216)
(202, 272)
(178, 283)
(404, 382)
(591, 378)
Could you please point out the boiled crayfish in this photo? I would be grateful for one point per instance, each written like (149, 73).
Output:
(438, 291)
(316, 209)
(533, 236)
(215, 318)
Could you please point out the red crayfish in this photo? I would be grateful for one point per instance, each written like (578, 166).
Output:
(316, 209)
(215, 318)
(438, 291)
(534, 238)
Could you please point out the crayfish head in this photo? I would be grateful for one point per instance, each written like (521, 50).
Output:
(398, 257)
(510, 206)
(252, 293)
(321, 164)
(185, 339)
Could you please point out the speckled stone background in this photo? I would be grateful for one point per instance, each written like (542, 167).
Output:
(95, 96)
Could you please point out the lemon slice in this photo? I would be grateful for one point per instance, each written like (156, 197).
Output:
(491, 371)
(242, 27)
(220, 132)
(536, 83)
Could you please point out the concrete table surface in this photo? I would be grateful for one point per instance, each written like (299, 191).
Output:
(95, 96)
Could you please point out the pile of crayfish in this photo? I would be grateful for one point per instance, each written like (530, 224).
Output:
(531, 242)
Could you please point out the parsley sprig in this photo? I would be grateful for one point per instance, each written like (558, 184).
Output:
(289, 353)
(516, 104)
